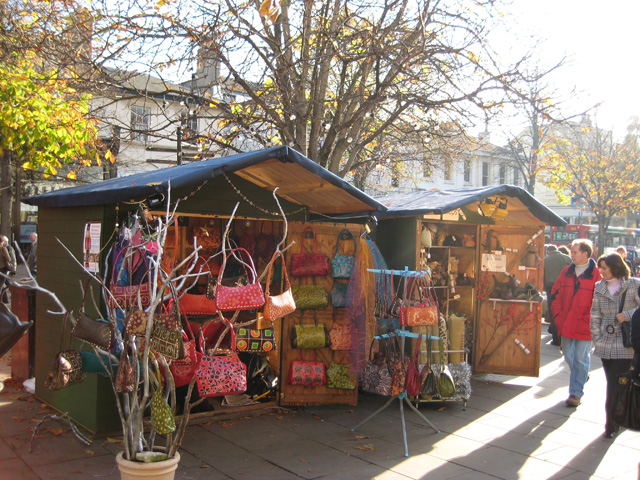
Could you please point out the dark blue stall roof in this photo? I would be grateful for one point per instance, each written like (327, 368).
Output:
(145, 184)
(443, 201)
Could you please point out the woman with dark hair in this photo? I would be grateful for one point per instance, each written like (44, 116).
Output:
(615, 299)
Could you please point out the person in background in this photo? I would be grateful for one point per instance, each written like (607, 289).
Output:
(12, 254)
(32, 258)
(554, 263)
(565, 250)
(572, 295)
(622, 251)
(5, 268)
(615, 299)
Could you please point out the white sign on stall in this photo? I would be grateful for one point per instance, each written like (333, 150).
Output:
(494, 262)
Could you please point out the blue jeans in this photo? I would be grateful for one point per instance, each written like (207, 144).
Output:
(577, 353)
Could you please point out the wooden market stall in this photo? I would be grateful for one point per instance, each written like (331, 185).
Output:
(207, 192)
(484, 248)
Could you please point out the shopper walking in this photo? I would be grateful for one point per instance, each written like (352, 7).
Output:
(572, 296)
(615, 299)
(554, 263)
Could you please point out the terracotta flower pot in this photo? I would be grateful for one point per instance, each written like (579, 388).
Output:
(164, 470)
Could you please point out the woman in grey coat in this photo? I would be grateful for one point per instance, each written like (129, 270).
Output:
(615, 298)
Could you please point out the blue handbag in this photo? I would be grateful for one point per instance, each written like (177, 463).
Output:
(339, 295)
(342, 265)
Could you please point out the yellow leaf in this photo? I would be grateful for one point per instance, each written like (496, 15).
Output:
(72, 175)
(109, 156)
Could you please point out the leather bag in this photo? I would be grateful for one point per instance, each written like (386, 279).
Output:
(413, 383)
(310, 297)
(342, 265)
(97, 332)
(625, 327)
(307, 373)
(245, 297)
(309, 264)
(125, 378)
(193, 304)
(627, 407)
(279, 305)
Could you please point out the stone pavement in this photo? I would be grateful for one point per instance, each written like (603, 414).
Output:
(514, 427)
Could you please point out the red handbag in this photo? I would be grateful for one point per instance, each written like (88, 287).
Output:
(302, 372)
(184, 370)
(191, 304)
(413, 382)
(245, 297)
(219, 375)
(309, 264)
(279, 305)
(425, 313)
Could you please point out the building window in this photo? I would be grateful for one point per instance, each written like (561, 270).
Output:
(140, 123)
(467, 171)
(516, 176)
(485, 174)
(448, 169)
(189, 125)
(503, 173)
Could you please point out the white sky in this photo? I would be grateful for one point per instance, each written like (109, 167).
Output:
(600, 41)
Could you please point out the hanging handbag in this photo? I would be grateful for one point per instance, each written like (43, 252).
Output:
(136, 323)
(413, 383)
(279, 305)
(126, 296)
(97, 332)
(245, 297)
(425, 313)
(255, 341)
(446, 385)
(167, 343)
(66, 368)
(225, 374)
(339, 376)
(162, 420)
(309, 264)
(339, 335)
(428, 380)
(625, 327)
(342, 265)
(396, 301)
(397, 366)
(339, 294)
(192, 304)
(376, 378)
(311, 335)
(125, 378)
(310, 297)
(184, 370)
(102, 363)
(307, 373)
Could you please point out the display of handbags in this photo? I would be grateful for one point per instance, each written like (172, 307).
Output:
(426, 312)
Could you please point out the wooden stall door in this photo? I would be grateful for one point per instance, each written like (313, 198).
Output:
(508, 331)
(327, 236)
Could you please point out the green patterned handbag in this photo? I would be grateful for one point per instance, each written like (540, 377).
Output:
(310, 335)
(162, 420)
(310, 297)
(338, 376)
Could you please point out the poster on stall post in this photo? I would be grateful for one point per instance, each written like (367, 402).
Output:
(91, 248)
(494, 262)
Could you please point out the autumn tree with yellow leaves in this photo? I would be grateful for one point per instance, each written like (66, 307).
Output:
(586, 167)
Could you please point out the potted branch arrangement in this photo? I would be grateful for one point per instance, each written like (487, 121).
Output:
(140, 344)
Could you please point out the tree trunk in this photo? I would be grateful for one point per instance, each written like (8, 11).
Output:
(17, 199)
(6, 193)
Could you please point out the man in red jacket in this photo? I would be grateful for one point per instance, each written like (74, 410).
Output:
(572, 297)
